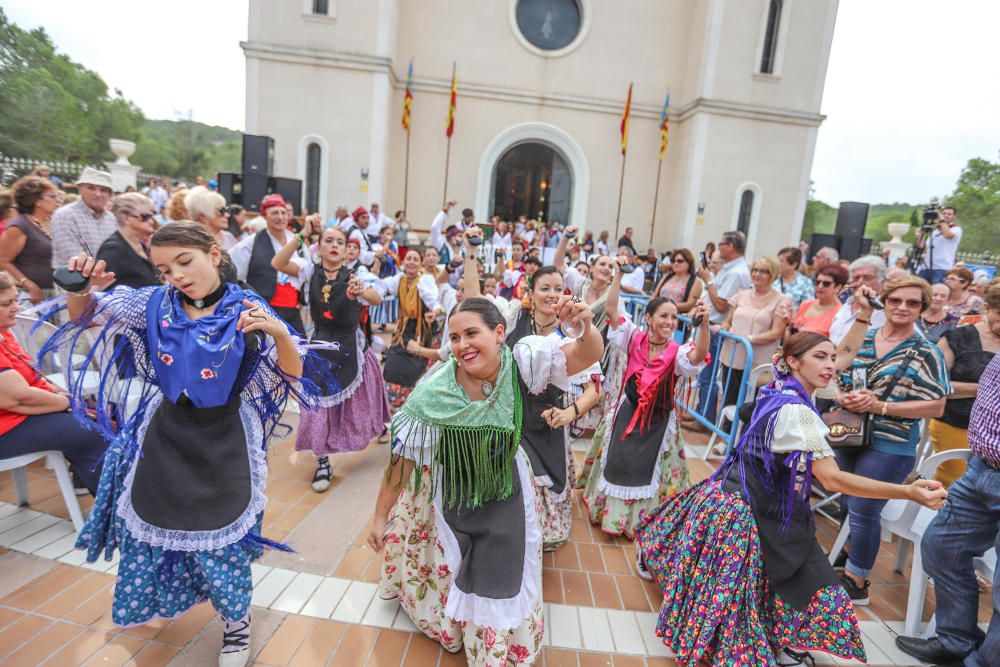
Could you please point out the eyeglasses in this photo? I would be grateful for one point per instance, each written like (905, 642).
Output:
(145, 217)
(224, 210)
(896, 302)
(679, 260)
(756, 270)
(824, 283)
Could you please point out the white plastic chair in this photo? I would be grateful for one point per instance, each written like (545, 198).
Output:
(730, 412)
(32, 344)
(55, 461)
(908, 521)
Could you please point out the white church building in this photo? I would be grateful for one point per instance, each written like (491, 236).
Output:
(541, 87)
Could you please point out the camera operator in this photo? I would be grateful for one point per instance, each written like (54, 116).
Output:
(939, 252)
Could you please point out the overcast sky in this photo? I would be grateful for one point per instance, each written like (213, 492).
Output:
(912, 90)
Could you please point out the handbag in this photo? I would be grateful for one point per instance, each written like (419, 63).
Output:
(851, 430)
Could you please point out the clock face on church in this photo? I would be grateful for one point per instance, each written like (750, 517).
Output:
(549, 25)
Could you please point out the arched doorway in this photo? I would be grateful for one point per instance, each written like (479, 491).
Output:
(532, 179)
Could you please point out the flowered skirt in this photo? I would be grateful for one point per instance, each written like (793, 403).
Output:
(619, 517)
(415, 574)
(703, 549)
(397, 394)
(348, 426)
(554, 515)
(158, 583)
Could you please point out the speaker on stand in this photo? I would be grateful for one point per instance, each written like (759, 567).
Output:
(258, 154)
(852, 217)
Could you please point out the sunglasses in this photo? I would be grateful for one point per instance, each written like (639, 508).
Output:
(679, 260)
(824, 283)
(767, 271)
(145, 217)
(896, 302)
(224, 210)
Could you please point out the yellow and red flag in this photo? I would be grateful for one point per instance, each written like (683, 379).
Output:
(625, 119)
(450, 128)
(408, 98)
(665, 126)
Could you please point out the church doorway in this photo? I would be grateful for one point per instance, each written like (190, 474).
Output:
(532, 179)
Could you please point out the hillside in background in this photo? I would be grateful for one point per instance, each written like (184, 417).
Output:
(189, 148)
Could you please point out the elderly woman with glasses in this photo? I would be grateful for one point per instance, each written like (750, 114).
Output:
(817, 314)
(209, 209)
(126, 252)
(905, 380)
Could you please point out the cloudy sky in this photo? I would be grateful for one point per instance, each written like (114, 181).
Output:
(912, 91)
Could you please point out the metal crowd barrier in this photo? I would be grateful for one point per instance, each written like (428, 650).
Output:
(686, 398)
(386, 312)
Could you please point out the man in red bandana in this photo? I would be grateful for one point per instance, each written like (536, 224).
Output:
(359, 231)
(252, 258)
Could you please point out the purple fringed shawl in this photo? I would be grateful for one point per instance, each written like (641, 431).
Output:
(756, 441)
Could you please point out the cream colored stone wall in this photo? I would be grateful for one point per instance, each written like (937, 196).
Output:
(341, 78)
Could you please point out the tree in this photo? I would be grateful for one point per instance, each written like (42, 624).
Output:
(977, 199)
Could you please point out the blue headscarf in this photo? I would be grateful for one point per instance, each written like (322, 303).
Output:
(200, 358)
(756, 440)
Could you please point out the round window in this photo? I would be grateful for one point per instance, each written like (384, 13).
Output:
(549, 25)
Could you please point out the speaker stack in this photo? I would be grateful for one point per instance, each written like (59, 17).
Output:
(849, 236)
(256, 180)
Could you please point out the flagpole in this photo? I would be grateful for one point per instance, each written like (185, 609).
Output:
(447, 156)
(621, 188)
(406, 171)
(656, 196)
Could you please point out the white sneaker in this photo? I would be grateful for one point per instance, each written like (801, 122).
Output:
(640, 566)
(235, 644)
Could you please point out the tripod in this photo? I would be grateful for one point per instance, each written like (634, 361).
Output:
(916, 253)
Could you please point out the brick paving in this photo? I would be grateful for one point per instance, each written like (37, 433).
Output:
(54, 613)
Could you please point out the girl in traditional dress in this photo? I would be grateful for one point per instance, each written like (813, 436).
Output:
(640, 460)
(417, 294)
(545, 435)
(344, 421)
(181, 495)
(743, 579)
(463, 547)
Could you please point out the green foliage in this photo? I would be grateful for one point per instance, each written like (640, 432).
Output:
(976, 196)
(55, 109)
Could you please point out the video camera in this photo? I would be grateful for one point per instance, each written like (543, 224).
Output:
(931, 215)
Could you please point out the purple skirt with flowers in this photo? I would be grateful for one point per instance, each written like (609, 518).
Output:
(703, 549)
(350, 425)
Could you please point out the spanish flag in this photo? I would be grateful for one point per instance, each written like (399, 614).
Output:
(408, 98)
(450, 129)
(665, 126)
(625, 119)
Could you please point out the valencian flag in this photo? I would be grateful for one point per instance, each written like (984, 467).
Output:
(450, 129)
(408, 98)
(665, 126)
(625, 119)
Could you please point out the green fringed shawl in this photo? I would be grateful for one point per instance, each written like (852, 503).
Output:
(477, 440)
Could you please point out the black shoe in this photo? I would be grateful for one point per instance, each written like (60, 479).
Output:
(859, 595)
(321, 480)
(840, 562)
(790, 658)
(640, 566)
(927, 650)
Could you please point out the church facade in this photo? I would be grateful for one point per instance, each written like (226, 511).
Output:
(541, 87)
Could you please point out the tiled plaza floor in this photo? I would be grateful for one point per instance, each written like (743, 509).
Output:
(317, 607)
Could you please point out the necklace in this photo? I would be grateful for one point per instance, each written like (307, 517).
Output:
(893, 340)
(534, 325)
(206, 301)
(41, 227)
(486, 386)
(653, 352)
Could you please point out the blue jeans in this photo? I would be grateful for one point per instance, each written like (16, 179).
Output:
(966, 526)
(865, 514)
(933, 277)
(708, 392)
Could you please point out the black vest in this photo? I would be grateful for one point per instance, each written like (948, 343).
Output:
(261, 276)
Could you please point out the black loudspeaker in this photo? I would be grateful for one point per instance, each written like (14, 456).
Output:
(866, 247)
(253, 189)
(822, 241)
(230, 187)
(258, 154)
(851, 220)
(290, 189)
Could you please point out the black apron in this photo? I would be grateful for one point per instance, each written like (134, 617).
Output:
(491, 539)
(631, 462)
(193, 472)
(336, 320)
(794, 564)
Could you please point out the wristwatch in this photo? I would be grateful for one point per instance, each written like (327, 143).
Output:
(710, 283)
